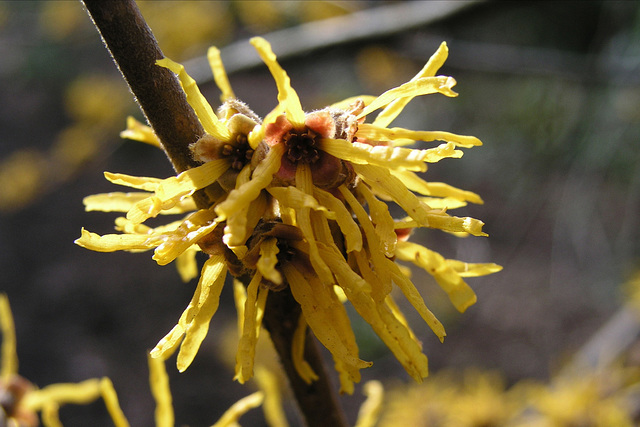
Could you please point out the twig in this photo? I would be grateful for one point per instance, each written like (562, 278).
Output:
(317, 400)
(157, 90)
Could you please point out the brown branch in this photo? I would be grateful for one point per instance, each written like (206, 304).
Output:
(317, 400)
(162, 100)
(156, 89)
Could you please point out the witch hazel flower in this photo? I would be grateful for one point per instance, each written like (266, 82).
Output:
(299, 201)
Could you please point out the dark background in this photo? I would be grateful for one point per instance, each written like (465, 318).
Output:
(551, 88)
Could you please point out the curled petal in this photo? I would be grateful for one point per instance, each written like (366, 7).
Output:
(287, 97)
(319, 316)
(386, 156)
(212, 278)
(460, 294)
(203, 110)
(114, 242)
(138, 131)
(253, 312)
(242, 406)
(392, 332)
(111, 402)
(187, 265)
(370, 409)
(467, 269)
(413, 296)
(159, 382)
(421, 86)
(376, 133)
(9, 353)
(262, 177)
(219, 74)
(297, 352)
(137, 182)
(393, 109)
(171, 190)
(123, 202)
(382, 181)
(76, 393)
(292, 197)
(348, 227)
(436, 189)
(268, 260)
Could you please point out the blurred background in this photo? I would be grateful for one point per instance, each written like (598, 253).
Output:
(551, 88)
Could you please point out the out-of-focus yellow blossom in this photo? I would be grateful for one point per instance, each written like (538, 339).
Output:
(262, 15)
(319, 10)
(60, 19)
(21, 174)
(25, 174)
(21, 401)
(379, 67)
(631, 290)
(108, 102)
(599, 400)
(297, 200)
(473, 399)
(480, 398)
(184, 28)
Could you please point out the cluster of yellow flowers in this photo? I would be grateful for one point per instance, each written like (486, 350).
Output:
(298, 200)
(476, 398)
(21, 401)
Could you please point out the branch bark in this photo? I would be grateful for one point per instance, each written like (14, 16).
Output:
(163, 102)
(156, 89)
(317, 400)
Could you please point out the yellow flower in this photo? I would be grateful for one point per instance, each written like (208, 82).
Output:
(20, 401)
(298, 201)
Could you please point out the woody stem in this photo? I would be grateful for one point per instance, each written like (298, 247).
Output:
(163, 102)
(317, 400)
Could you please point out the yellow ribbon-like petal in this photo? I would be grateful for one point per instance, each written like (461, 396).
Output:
(268, 260)
(159, 383)
(467, 269)
(381, 218)
(203, 110)
(242, 406)
(287, 96)
(320, 317)
(123, 202)
(137, 182)
(171, 190)
(349, 228)
(212, 279)
(370, 410)
(140, 132)
(387, 156)
(76, 393)
(111, 402)
(460, 294)
(436, 189)
(219, 74)
(253, 312)
(262, 176)
(115, 242)
(297, 352)
(421, 86)
(376, 133)
(393, 109)
(295, 199)
(381, 180)
(9, 353)
(392, 332)
(413, 296)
